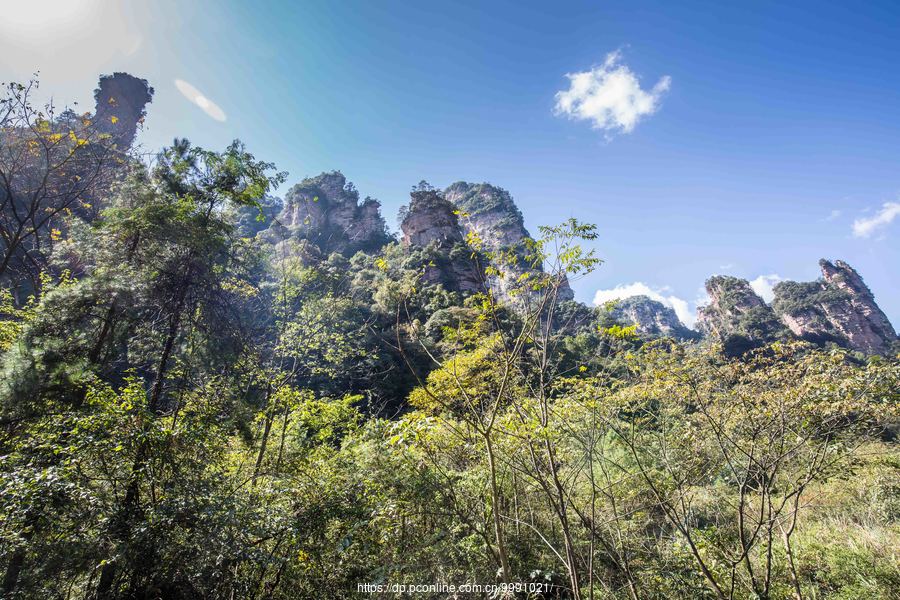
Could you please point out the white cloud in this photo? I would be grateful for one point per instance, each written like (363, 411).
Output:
(621, 291)
(702, 298)
(686, 313)
(833, 215)
(609, 96)
(193, 94)
(865, 226)
(763, 285)
(683, 310)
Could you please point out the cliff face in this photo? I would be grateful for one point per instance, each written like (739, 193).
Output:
(326, 211)
(838, 308)
(737, 316)
(652, 318)
(490, 213)
(431, 229)
(430, 218)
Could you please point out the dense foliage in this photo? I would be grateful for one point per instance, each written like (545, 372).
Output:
(188, 411)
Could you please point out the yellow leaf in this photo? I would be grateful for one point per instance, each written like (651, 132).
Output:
(114, 119)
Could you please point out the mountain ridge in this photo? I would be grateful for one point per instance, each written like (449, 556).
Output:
(468, 222)
(326, 209)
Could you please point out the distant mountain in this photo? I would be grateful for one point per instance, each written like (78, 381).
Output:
(737, 316)
(448, 221)
(838, 308)
(326, 211)
(652, 318)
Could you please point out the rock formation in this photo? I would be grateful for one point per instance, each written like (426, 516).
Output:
(838, 308)
(431, 228)
(326, 211)
(489, 213)
(737, 316)
(87, 156)
(120, 106)
(430, 218)
(652, 318)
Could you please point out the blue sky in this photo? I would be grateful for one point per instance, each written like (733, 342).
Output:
(766, 131)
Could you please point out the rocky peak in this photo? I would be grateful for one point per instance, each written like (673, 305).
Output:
(736, 290)
(736, 315)
(652, 318)
(120, 106)
(326, 211)
(489, 212)
(86, 180)
(844, 277)
(430, 218)
(838, 308)
(432, 231)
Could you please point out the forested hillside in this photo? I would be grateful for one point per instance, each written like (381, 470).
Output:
(210, 392)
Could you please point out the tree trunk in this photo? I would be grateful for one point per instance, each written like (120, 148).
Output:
(562, 514)
(172, 334)
(109, 318)
(495, 511)
(265, 436)
(123, 527)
